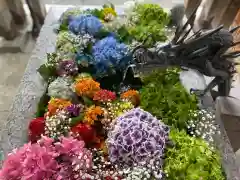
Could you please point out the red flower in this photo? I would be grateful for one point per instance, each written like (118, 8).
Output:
(86, 133)
(110, 178)
(36, 129)
(104, 96)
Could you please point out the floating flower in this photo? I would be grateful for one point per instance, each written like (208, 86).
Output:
(84, 132)
(104, 96)
(93, 114)
(58, 124)
(137, 138)
(86, 87)
(85, 24)
(109, 13)
(131, 95)
(36, 129)
(203, 126)
(61, 88)
(75, 109)
(118, 108)
(110, 55)
(67, 68)
(55, 103)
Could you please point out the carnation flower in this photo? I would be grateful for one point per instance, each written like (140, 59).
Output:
(109, 56)
(36, 129)
(67, 68)
(86, 87)
(85, 24)
(132, 96)
(104, 96)
(75, 109)
(137, 138)
(93, 114)
(61, 88)
(57, 104)
(84, 132)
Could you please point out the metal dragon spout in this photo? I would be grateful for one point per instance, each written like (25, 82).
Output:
(205, 51)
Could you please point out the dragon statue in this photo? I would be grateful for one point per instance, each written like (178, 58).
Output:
(206, 51)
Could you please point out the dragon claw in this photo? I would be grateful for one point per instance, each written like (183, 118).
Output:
(197, 92)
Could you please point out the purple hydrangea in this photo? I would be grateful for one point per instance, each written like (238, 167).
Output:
(85, 24)
(110, 55)
(67, 68)
(137, 137)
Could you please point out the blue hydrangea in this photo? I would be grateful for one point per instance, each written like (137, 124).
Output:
(110, 55)
(85, 24)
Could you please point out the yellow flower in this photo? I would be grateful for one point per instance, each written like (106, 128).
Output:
(109, 13)
(92, 114)
(132, 96)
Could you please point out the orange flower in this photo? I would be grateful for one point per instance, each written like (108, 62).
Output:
(86, 87)
(55, 103)
(131, 95)
(92, 114)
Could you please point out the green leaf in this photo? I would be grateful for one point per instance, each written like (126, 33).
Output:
(76, 120)
(87, 101)
(42, 105)
(46, 72)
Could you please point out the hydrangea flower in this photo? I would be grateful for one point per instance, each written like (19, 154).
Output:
(85, 24)
(61, 88)
(104, 95)
(75, 43)
(67, 68)
(137, 138)
(31, 161)
(83, 60)
(68, 14)
(110, 55)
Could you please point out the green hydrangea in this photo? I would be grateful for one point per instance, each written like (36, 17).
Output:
(191, 159)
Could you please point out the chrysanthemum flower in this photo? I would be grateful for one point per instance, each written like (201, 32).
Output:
(104, 96)
(56, 104)
(92, 114)
(132, 96)
(86, 87)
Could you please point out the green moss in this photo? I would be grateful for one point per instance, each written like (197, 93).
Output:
(191, 159)
(164, 96)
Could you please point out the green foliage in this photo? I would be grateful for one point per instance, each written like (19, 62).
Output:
(42, 105)
(164, 96)
(76, 120)
(149, 19)
(191, 159)
(151, 12)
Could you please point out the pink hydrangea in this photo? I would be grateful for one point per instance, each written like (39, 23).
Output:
(30, 162)
(47, 160)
